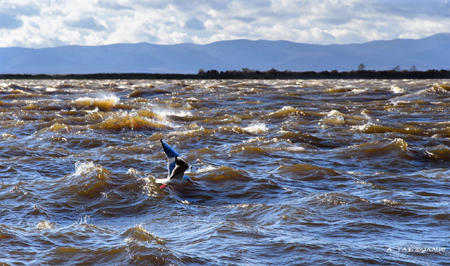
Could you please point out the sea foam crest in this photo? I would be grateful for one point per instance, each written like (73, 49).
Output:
(135, 120)
(164, 112)
(363, 127)
(139, 234)
(45, 225)
(334, 117)
(284, 112)
(207, 168)
(84, 168)
(396, 90)
(256, 128)
(104, 102)
(89, 179)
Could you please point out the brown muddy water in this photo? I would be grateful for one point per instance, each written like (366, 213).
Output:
(286, 171)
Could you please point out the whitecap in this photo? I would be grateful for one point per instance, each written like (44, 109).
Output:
(103, 101)
(358, 90)
(45, 225)
(295, 148)
(363, 127)
(256, 128)
(334, 117)
(396, 90)
(85, 168)
(207, 168)
(50, 89)
(164, 112)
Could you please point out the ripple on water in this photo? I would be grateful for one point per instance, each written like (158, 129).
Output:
(285, 171)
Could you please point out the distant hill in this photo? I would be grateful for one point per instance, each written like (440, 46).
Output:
(428, 53)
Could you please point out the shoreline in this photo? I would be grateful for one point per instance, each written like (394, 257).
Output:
(271, 74)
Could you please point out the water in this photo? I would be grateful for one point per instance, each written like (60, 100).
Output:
(287, 171)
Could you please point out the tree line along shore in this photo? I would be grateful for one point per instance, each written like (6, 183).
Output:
(249, 74)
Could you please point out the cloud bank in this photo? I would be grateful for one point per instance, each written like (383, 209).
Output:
(47, 23)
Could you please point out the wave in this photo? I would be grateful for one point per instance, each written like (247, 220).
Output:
(372, 128)
(334, 117)
(207, 168)
(192, 133)
(146, 90)
(62, 243)
(250, 150)
(355, 204)
(306, 172)
(133, 120)
(285, 111)
(151, 114)
(225, 173)
(393, 149)
(222, 119)
(440, 88)
(45, 105)
(104, 102)
(396, 89)
(313, 141)
(175, 113)
(338, 89)
(440, 152)
(138, 233)
(256, 128)
(45, 225)
(88, 180)
(333, 199)
(436, 91)
(56, 127)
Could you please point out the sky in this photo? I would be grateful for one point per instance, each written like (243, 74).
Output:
(50, 23)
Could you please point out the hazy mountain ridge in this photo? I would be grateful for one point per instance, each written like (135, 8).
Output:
(427, 53)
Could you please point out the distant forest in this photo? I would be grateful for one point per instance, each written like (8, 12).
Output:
(246, 73)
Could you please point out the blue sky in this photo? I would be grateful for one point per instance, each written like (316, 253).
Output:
(48, 23)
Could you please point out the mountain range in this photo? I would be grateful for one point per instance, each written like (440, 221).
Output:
(422, 54)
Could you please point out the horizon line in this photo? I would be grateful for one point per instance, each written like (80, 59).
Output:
(229, 40)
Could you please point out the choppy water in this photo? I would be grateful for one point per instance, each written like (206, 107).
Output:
(293, 172)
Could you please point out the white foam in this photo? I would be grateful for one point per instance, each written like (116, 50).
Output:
(255, 139)
(84, 168)
(84, 220)
(358, 90)
(257, 128)
(335, 113)
(207, 168)
(164, 112)
(295, 148)
(50, 89)
(45, 225)
(284, 109)
(395, 102)
(334, 117)
(133, 172)
(396, 90)
(102, 97)
(148, 185)
(126, 115)
(362, 128)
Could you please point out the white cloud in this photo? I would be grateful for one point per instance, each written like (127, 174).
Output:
(42, 23)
